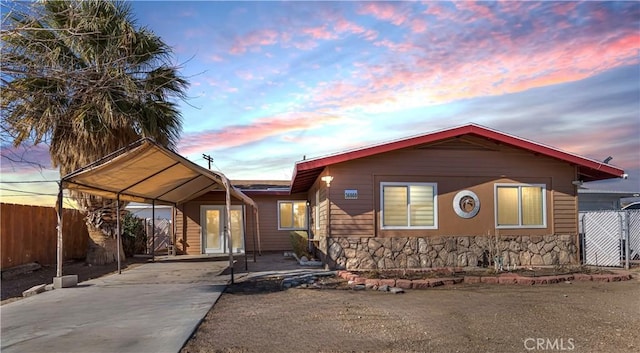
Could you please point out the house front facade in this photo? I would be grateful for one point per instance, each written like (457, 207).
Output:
(465, 196)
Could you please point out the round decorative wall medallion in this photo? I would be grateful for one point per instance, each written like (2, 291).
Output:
(466, 204)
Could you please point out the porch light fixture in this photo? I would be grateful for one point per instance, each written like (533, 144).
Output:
(327, 179)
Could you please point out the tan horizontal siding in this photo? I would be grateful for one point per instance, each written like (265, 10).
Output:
(454, 168)
(565, 213)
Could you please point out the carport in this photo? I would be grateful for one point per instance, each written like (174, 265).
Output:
(148, 172)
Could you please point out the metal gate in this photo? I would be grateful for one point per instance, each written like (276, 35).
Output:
(162, 232)
(610, 237)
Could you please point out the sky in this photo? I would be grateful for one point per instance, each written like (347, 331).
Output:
(275, 82)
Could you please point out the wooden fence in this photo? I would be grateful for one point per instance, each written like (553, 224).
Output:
(29, 234)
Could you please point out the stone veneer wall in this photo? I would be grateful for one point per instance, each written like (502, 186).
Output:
(454, 251)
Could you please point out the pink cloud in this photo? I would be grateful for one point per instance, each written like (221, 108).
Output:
(396, 47)
(319, 33)
(342, 25)
(237, 135)
(216, 58)
(435, 9)
(304, 44)
(563, 8)
(254, 40)
(389, 12)
(416, 78)
(247, 75)
(418, 25)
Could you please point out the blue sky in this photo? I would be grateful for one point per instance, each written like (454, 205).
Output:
(272, 82)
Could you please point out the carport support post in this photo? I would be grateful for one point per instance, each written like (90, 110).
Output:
(227, 226)
(118, 240)
(59, 249)
(153, 230)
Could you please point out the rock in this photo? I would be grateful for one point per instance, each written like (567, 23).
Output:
(549, 246)
(443, 255)
(398, 244)
(481, 242)
(550, 258)
(396, 290)
(423, 246)
(472, 259)
(373, 245)
(350, 253)
(49, 287)
(379, 252)
(436, 241)
(536, 260)
(536, 238)
(304, 259)
(401, 261)
(367, 263)
(385, 263)
(464, 241)
(533, 248)
(335, 251)
(352, 263)
(413, 261)
(383, 288)
(359, 287)
(450, 245)
(413, 245)
(34, 290)
(425, 261)
(462, 260)
(451, 259)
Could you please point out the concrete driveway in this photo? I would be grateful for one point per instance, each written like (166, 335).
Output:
(154, 307)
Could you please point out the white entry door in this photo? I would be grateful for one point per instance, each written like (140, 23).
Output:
(213, 224)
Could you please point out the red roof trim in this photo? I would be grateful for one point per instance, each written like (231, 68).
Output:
(604, 171)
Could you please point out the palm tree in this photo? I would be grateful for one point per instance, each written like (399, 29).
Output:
(82, 77)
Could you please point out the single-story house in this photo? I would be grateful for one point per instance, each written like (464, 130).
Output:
(454, 197)
(146, 211)
(599, 200)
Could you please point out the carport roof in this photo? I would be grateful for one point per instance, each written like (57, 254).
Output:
(148, 172)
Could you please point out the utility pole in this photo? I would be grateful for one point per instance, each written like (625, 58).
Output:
(208, 158)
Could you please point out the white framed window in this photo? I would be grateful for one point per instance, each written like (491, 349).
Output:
(292, 215)
(520, 205)
(408, 205)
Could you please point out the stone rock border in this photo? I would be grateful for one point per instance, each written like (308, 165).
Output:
(504, 278)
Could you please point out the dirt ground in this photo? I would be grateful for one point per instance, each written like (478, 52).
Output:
(12, 288)
(576, 317)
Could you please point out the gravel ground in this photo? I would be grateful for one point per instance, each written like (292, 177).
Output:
(12, 288)
(576, 317)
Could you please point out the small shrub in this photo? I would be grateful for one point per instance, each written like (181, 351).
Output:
(300, 243)
(134, 236)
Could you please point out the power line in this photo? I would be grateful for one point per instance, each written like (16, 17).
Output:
(29, 181)
(28, 192)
